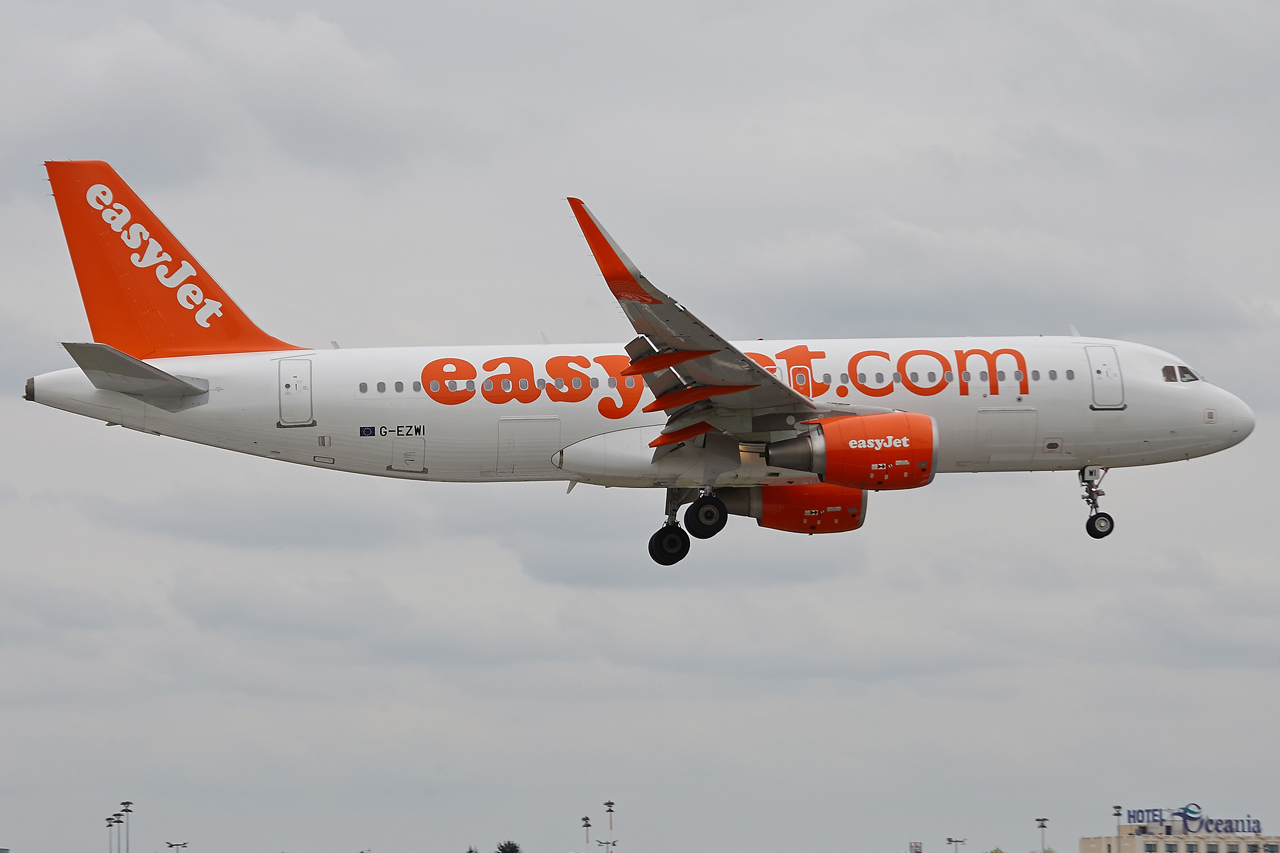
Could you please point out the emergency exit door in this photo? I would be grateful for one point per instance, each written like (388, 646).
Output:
(295, 392)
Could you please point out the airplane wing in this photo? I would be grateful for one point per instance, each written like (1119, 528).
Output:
(698, 378)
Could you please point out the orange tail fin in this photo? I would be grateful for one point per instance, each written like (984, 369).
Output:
(145, 294)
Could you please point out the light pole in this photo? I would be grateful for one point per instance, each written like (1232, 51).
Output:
(1040, 822)
(117, 819)
(955, 843)
(127, 811)
(110, 823)
(586, 824)
(1116, 812)
(608, 807)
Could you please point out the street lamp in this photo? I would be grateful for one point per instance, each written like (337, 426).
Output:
(127, 811)
(586, 824)
(1116, 812)
(1040, 822)
(173, 844)
(117, 819)
(955, 843)
(110, 823)
(607, 845)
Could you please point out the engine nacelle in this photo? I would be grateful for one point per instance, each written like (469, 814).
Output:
(808, 508)
(894, 450)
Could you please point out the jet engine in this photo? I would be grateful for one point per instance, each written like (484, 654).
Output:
(808, 508)
(893, 450)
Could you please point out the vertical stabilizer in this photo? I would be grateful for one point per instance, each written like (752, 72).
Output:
(145, 294)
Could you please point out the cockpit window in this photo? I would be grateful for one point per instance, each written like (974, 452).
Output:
(1170, 373)
(1186, 375)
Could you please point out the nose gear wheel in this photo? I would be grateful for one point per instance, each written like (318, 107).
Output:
(1099, 524)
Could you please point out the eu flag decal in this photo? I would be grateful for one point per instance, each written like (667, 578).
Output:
(366, 431)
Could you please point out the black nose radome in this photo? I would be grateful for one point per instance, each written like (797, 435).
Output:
(31, 389)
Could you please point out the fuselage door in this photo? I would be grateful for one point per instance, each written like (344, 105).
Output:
(1104, 372)
(407, 454)
(295, 392)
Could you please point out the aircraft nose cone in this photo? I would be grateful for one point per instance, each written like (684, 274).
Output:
(1239, 417)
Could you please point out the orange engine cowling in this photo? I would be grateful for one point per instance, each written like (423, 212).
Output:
(894, 450)
(808, 508)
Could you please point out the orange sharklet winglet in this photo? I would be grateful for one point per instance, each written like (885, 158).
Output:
(685, 396)
(619, 273)
(661, 360)
(682, 434)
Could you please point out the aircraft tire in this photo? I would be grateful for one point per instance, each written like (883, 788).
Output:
(706, 517)
(669, 545)
(1100, 525)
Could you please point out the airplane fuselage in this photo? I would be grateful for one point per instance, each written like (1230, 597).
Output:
(1015, 404)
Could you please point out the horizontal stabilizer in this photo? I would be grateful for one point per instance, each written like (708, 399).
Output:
(111, 370)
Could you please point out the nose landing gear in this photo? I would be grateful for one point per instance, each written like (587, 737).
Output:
(1099, 524)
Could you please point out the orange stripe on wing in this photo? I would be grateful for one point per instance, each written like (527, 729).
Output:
(658, 361)
(615, 272)
(685, 396)
(682, 434)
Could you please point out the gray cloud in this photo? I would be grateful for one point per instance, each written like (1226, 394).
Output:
(346, 663)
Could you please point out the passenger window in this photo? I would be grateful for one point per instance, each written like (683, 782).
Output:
(826, 379)
(1035, 376)
(897, 377)
(999, 375)
(844, 379)
(982, 376)
(471, 386)
(399, 387)
(577, 382)
(1071, 374)
(542, 383)
(1017, 375)
(1185, 374)
(524, 385)
(595, 383)
(435, 386)
(862, 377)
(417, 386)
(631, 382)
(487, 385)
(800, 380)
(965, 376)
(933, 377)
(452, 385)
(560, 384)
(382, 387)
(915, 377)
(948, 376)
(1053, 374)
(364, 387)
(613, 383)
(506, 385)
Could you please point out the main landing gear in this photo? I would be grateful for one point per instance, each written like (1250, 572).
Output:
(706, 517)
(1099, 523)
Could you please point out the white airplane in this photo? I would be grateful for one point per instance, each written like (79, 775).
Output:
(793, 433)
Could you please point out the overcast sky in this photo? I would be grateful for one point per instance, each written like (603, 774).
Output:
(272, 658)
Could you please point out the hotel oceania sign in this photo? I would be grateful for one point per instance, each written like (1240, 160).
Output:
(1195, 821)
